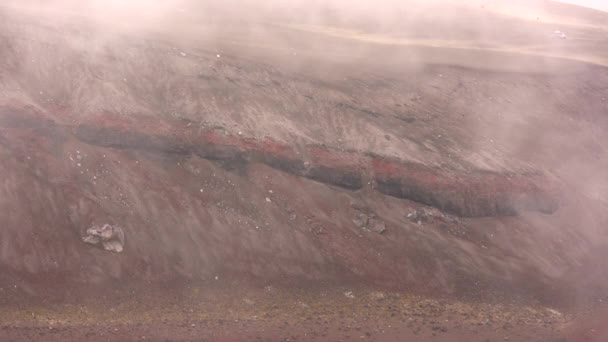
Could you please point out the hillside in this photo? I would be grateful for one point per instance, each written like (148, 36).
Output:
(317, 153)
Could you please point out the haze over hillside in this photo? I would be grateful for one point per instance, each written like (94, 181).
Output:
(597, 4)
(323, 170)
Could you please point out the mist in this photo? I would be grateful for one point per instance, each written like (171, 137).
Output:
(350, 169)
(597, 4)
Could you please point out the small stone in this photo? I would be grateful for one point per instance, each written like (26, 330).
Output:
(361, 220)
(378, 226)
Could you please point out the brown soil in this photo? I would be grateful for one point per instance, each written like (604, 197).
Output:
(219, 313)
(238, 149)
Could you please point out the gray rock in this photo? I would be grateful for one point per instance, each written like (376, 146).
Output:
(111, 238)
(368, 221)
(361, 220)
(377, 226)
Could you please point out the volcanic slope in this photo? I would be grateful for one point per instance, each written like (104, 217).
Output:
(270, 150)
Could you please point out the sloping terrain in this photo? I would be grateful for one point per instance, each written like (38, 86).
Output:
(321, 152)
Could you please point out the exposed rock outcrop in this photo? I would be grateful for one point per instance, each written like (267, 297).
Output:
(475, 193)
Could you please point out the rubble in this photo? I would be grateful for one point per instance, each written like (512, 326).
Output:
(430, 215)
(111, 238)
(368, 221)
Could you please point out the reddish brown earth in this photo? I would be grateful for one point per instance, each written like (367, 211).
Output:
(238, 147)
(470, 193)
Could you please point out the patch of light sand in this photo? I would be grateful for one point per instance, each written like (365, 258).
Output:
(444, 43)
